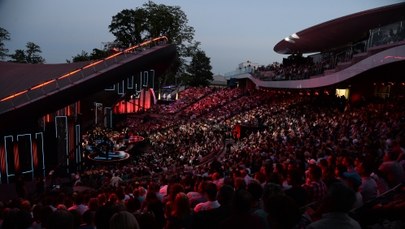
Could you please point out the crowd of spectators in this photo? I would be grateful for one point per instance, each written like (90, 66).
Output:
(212, 101)
(298, 165)
(188, 96)
(293, 71)
(388, 34)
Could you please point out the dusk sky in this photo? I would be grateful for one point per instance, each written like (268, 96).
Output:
(230, 31)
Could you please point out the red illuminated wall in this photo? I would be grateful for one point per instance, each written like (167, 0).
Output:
(2, 159)
(143, 103)
(16, 157)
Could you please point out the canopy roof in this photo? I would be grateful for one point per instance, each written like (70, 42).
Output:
(16, 77)
(29, 91)
(340, 31)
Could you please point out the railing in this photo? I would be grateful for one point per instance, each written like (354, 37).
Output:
(383, 37)
(239, 72)
(53, 85)
(387, 34)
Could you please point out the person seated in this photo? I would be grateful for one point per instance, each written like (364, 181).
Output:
(123, 220)
(211, 195)
(335, 207)
(212, 218)
(241, 216)
(391, 170)
(368, 187)
(181, 215)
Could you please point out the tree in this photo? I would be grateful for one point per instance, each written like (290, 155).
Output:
(83, 56)
(19, 56)
(132, 27)
(4, 36)
(30, 55)
(199, 70)
(128, 27)
(96, 54)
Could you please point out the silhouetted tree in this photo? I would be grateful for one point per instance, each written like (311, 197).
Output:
(83, 56)
(96, 54)
(19, 56)
(133, 26)
(199, 70)
(4, 36)
(30, 55)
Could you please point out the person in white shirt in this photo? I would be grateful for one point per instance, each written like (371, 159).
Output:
(211, 195)
(337, 203)
(78, 205)
(115, 180)
(368, 187)
(197, 196)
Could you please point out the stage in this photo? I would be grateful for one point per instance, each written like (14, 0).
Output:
(116, 156)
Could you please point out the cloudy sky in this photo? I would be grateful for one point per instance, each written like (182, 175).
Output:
(230, 31)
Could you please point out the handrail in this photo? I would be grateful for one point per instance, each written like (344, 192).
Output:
(41, 85)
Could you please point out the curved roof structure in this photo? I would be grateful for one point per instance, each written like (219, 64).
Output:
(340, 31)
